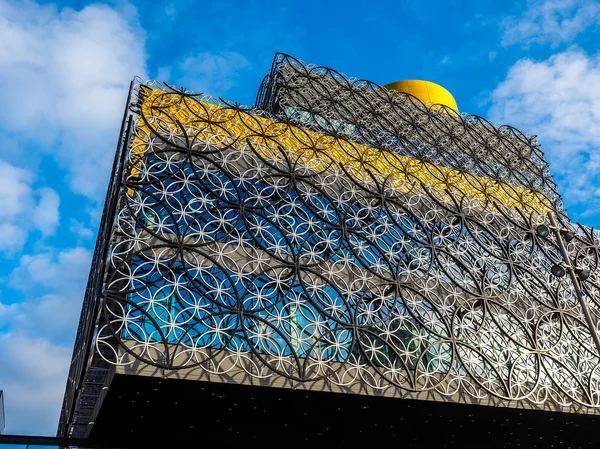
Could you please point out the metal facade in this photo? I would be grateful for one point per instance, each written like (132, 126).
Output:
(337, 237)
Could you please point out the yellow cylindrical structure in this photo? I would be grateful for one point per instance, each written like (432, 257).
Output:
(428, 92)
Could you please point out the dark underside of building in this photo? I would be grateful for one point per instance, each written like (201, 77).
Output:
(140, 411)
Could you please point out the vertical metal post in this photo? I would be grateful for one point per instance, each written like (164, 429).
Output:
(574, 278)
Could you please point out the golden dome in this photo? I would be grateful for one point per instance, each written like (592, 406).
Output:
(428, 92)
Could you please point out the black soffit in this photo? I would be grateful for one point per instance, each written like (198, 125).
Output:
(155, 412)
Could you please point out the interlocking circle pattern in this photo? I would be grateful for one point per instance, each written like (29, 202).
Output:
(278, 246)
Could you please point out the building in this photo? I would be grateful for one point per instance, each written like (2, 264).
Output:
(341, 263)
(2, 419)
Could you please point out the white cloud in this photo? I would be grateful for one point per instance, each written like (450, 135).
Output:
(45, 214)
(54, 285)
(66, 75)
(7, 311)
(33, 377)
(12, 237)
(559, 100)
(81, 230)
(21, 210)
(53, 316)
(206, 72)
(16, 190)
(35, 354)
(64, 271)
(551, 21)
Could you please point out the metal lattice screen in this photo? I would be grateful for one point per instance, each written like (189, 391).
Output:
(251, 243)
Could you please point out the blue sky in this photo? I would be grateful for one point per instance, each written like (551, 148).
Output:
(65, 68)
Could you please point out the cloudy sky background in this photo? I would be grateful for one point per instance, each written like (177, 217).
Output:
(65, 69)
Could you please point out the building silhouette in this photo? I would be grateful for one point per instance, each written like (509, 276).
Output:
(341, 263)
(2, 419)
